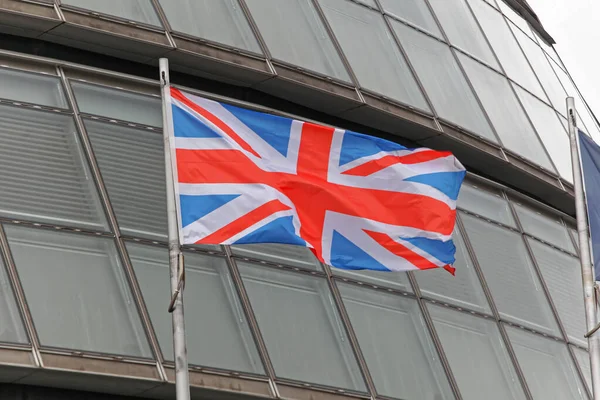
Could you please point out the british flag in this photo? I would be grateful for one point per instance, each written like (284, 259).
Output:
(358, 202)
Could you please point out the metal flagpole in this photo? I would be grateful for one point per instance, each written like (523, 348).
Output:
(182, 380)
(587, 272)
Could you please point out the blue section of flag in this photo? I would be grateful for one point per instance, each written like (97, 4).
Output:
(347, 255)
(195, 207)
(446, 182)
(590, 168)
(271, 128)
(443, 251)
(356, 145)
(280, 230)
(188, 126)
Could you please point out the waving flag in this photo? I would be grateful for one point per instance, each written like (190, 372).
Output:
(357, 202)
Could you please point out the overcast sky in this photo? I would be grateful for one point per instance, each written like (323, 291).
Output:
(575, 26)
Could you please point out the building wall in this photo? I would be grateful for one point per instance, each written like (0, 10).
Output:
(83, 266)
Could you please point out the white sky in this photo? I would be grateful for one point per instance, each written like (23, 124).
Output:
(575, 26)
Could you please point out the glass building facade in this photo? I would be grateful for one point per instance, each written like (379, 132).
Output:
(84, 284)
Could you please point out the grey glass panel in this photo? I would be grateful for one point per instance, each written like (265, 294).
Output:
(547, 366)
(510, 275)
(301, 327)
(219, 21)
(504, 44)
(216, 329)
(544, 226)
(464, 290)
(31, 88)
(367, 42)
(583, 359)
(443, 80)
(465, 34)
(297, 256)
(396, 280)
(562, 274)
(77, 292)
(575, 235)
(553, 135)
(134, 10)
(488, 203)
(295, 34)
(44, 176)
(413, 11)
(370, 3)
(379, 319)
(477, 355)
(506, 113)
(119, 104)
(515, 18)
(11, 324)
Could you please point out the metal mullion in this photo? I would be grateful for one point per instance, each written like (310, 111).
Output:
(252, 321)
(121, 249)
(20, 299)
(257, 34)
(164, 21)
(493, 307)
(579, 371)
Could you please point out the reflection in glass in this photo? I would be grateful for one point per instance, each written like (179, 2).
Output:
(31, 88)
(487, 202)
(544, 226)
(134, 10)
(11, 324)
(413, 11)
(77, 292)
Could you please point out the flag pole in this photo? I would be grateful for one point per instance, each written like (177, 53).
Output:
(587, 273)
(182, 380)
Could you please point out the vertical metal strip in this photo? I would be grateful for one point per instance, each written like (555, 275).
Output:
(579, 371)
(259, 37)
(165, 22)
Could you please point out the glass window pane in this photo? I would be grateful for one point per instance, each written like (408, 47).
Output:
(504, 44)
(372, 52)
(477, 355)
(298, 321)
(443, 80)
(413, 11)
(544, 226)
(119, 104)
(562, 274)
(39, 89)
(488, 203)
(133, 10)
(11, 324)
(218, 21)
(510, 275)
(379, 321)
(216, 328)
(583, 359)
(515, 18)
(396, 280)
(296, 256)
(547, 366)
(506, 113)
(77, 292)
(464, 290)
(466, 34)
(294, 33)
(44, 176)
(553, 135)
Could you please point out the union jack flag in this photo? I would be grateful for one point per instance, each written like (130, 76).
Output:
(358, 202)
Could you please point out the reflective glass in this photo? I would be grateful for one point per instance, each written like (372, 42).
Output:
(372, 52)
(504, 44)
(11, 324)
(506, 113)
(510, 275)
(43, 173)
(575, 236)
(477, 355)
(562, 274)
(119, 104)
(464, 290)
(218, 21)
(544, 226)
(553, 135)
(39, 89)
(296, 256)
(133, 10)
(216, 328)
(547, 366)
(294, 33)
(467, 35)
(443, 80)
(379, 320)
(77, 292)
(413, 11)
(583, 359)
(396, 280)
(515, 18)
(487, 202)
(302, 330)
